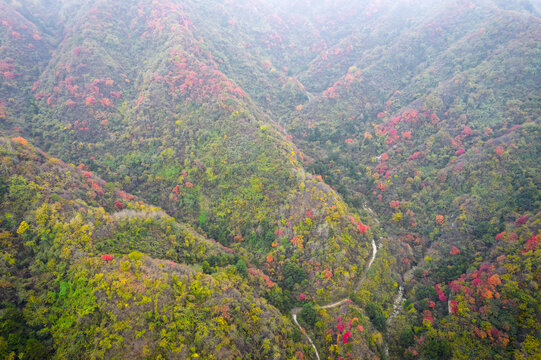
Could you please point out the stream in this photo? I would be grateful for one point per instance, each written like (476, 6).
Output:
(397, 305)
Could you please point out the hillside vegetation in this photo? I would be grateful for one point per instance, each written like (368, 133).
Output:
(180, 178)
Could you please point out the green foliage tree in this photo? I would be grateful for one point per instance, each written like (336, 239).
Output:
(293, 274)
(308, 314)
(376, 316)
(242, 268)
(437, 349)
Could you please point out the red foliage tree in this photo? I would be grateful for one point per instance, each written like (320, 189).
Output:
(467, 131)
(453, 307)
(20, 140)
(521, 220)
(90, 100)
(395, 204)
(362, 228)
(531, 244)
(107, 258)
(441, 294)
(454, 250)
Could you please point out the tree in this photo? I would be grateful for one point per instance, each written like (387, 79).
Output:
(107, 257)
(242, 268)
(293, 274)
(406, 338)
(206, 268)
(437, 349)
(308, 314)
(376, 316)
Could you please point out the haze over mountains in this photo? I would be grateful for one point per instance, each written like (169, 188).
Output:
(181, 179)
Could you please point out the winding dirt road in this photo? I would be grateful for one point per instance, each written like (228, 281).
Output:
(294, 313)
(297, 310)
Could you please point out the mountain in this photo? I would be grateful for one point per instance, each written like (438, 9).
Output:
(257, 179)
(80, 298)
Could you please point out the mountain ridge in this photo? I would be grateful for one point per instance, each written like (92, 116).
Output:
(257, 138)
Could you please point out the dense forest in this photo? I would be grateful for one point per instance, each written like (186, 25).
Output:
(270, 179)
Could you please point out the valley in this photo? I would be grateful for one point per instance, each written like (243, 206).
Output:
(256, 179)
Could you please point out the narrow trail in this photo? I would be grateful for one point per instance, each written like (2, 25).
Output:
(338, 303)
(297, 310)
(294, 313)
(374, 253)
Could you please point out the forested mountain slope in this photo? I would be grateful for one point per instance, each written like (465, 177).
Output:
(270, 146)
(76, 262)
(148, 108)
